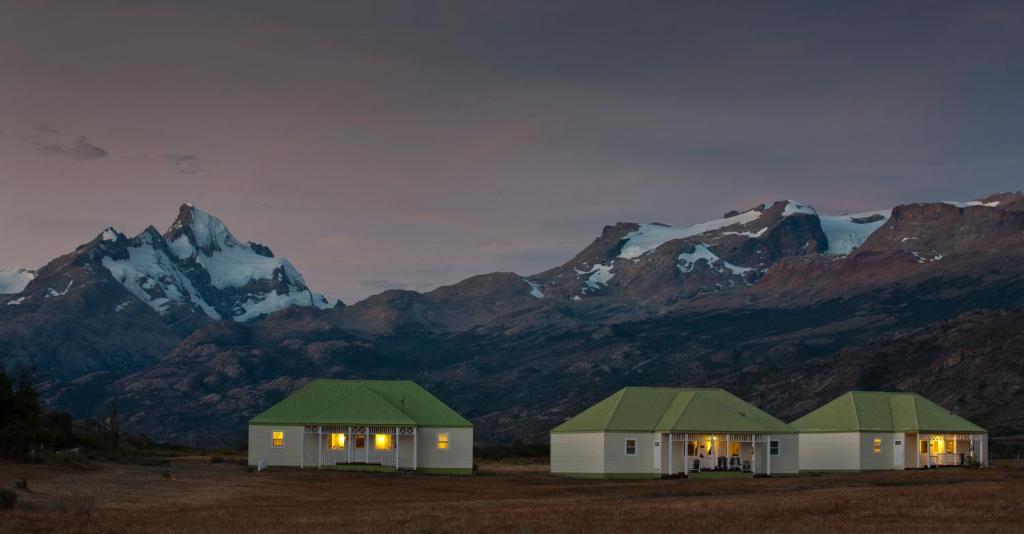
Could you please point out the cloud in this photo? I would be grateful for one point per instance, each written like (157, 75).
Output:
(382, 285)
(184, 163)
(47, 140)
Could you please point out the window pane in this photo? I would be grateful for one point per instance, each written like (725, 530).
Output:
(277, 439)
(877, 445)
(360, 441)
(442, 441)
(337, 441)
(774, 448)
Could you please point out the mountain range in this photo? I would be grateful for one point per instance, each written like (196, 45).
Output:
(194, 331)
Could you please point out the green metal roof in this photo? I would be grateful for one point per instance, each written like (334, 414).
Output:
(361, 402)
(645, 409)
(883, 411)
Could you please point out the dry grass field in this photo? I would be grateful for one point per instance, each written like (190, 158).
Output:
(204, 497)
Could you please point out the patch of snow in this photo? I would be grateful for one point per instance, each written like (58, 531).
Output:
(793, 207)
(598, 276)
(534, 289)
(109, 235)
(14, 281)
(576, 297)
(844, 234)
(972, 203)
(123, 304)
(273, 302)
(17, 302)
(650, 236)
(701, 252)
(758, 233)
(51, 292)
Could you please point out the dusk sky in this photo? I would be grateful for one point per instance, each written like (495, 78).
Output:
(411, 144)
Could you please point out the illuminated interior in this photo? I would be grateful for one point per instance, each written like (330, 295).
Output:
(938, 445)
(337, 441)
(382, 442)
(878, 445)
(734, 448)
(277, 439)
(442, 441)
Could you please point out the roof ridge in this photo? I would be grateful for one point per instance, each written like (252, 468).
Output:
(682, 409)
(615, 408)
(856, 412)
(917, 420)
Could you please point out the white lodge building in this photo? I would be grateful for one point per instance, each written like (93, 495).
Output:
(867, 430)
(648, 432)
(337, 423)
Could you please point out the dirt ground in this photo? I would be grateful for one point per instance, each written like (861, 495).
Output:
(201, 496)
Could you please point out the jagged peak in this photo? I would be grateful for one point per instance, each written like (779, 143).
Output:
(204, 232)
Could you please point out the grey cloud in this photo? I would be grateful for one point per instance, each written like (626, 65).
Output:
(382, 285)
(85, 151)
(184, 163)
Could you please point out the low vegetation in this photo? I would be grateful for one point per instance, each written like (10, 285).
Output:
(196, 495)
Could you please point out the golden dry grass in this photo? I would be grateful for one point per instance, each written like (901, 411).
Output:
(205, 497)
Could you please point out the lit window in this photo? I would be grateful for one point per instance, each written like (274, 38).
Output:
(442, 441)
(277, 439)
(382, 442)
(630, 447)
(773, 447)
(337, 441)
(360, 441)
(734, 448)
(691, 448)
(878, 445)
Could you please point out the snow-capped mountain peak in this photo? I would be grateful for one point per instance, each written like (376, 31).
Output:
(198, 265)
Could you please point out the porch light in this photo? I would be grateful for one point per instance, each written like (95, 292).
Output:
(382, 442)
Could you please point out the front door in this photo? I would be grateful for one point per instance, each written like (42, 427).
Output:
(897, 452)
(657, 454)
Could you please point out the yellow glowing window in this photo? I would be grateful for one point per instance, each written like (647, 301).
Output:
(735, 448)
(382, 442)
(878, 445)
(442, 441)
(277, 439)
(938, 446)
(337, 441)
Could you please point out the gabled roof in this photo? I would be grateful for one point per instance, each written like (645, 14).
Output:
(361, 402)
(883, 411)
(646, 409)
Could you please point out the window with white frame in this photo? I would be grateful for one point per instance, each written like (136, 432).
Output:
(773, 447)
(631, 447)
(442, 441)
(277, 439)
(877, 446)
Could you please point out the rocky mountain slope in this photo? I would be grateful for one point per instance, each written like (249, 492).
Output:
(774, 302)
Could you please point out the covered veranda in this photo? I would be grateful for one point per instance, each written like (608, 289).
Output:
(942, 449)
(334, 445)
(717, 451)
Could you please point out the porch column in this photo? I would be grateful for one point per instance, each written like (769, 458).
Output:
(397, 447)
(984, 463)
(302, 448)
(415, 448)
(366, 443)
(319, 447)
(728, 451)
(753, 454)
(686, 454)
(350, 444)
(670, 453)
(768, 456)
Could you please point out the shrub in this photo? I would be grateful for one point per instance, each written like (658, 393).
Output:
(216, 459)
(7, 499)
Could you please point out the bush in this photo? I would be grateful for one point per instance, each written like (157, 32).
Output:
(216, 459)
(7, 499)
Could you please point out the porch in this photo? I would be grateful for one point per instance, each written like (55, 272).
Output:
(939, 450)
(393, 447)
(687, 453)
